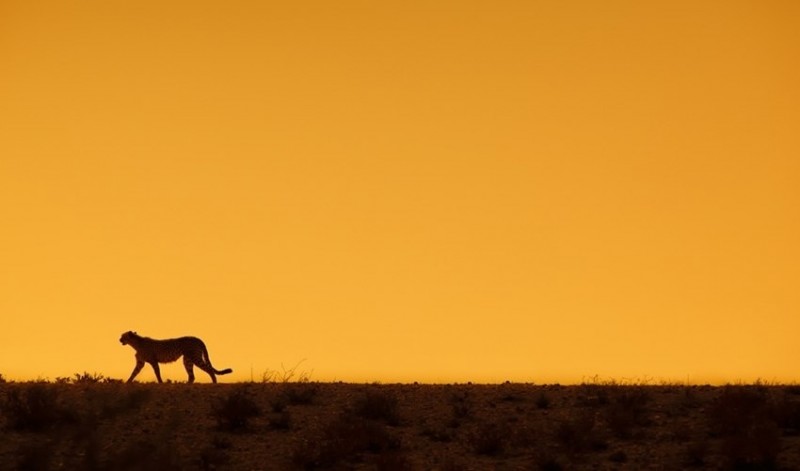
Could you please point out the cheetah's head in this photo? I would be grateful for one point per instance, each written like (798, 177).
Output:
(125, 339)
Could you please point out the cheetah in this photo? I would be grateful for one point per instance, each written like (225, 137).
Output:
(155, 351)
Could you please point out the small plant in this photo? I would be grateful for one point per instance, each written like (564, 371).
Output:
(379, 405)
(287, 375)
(87, 378)
(233, 413)
(2, 379)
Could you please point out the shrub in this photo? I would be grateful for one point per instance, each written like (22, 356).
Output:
(33, 407)
(109, 401)
(750, 436)
(235, 411)
(343, 439)
(379, 405)
(287, 375)
(88, 378)
(302, 393)
(594, 394)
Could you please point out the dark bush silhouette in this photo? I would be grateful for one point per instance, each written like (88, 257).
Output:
(379, 405)
(743, 418)
(296, 394)
(89, 378)
(344, 439)
(34, 407)
(233, 413)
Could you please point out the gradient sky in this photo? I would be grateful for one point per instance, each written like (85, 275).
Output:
(403, 190)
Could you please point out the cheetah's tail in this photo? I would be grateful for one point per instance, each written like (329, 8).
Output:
(216, 371)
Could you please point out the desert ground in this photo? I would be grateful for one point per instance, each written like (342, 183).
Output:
(92, 423)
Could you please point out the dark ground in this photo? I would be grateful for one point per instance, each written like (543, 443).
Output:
(86, 425)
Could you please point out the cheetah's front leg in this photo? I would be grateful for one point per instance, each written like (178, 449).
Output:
(136, 369)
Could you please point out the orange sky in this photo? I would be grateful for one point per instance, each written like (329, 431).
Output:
(400, 191)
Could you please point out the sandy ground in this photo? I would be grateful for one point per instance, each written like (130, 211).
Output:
(254, 426)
